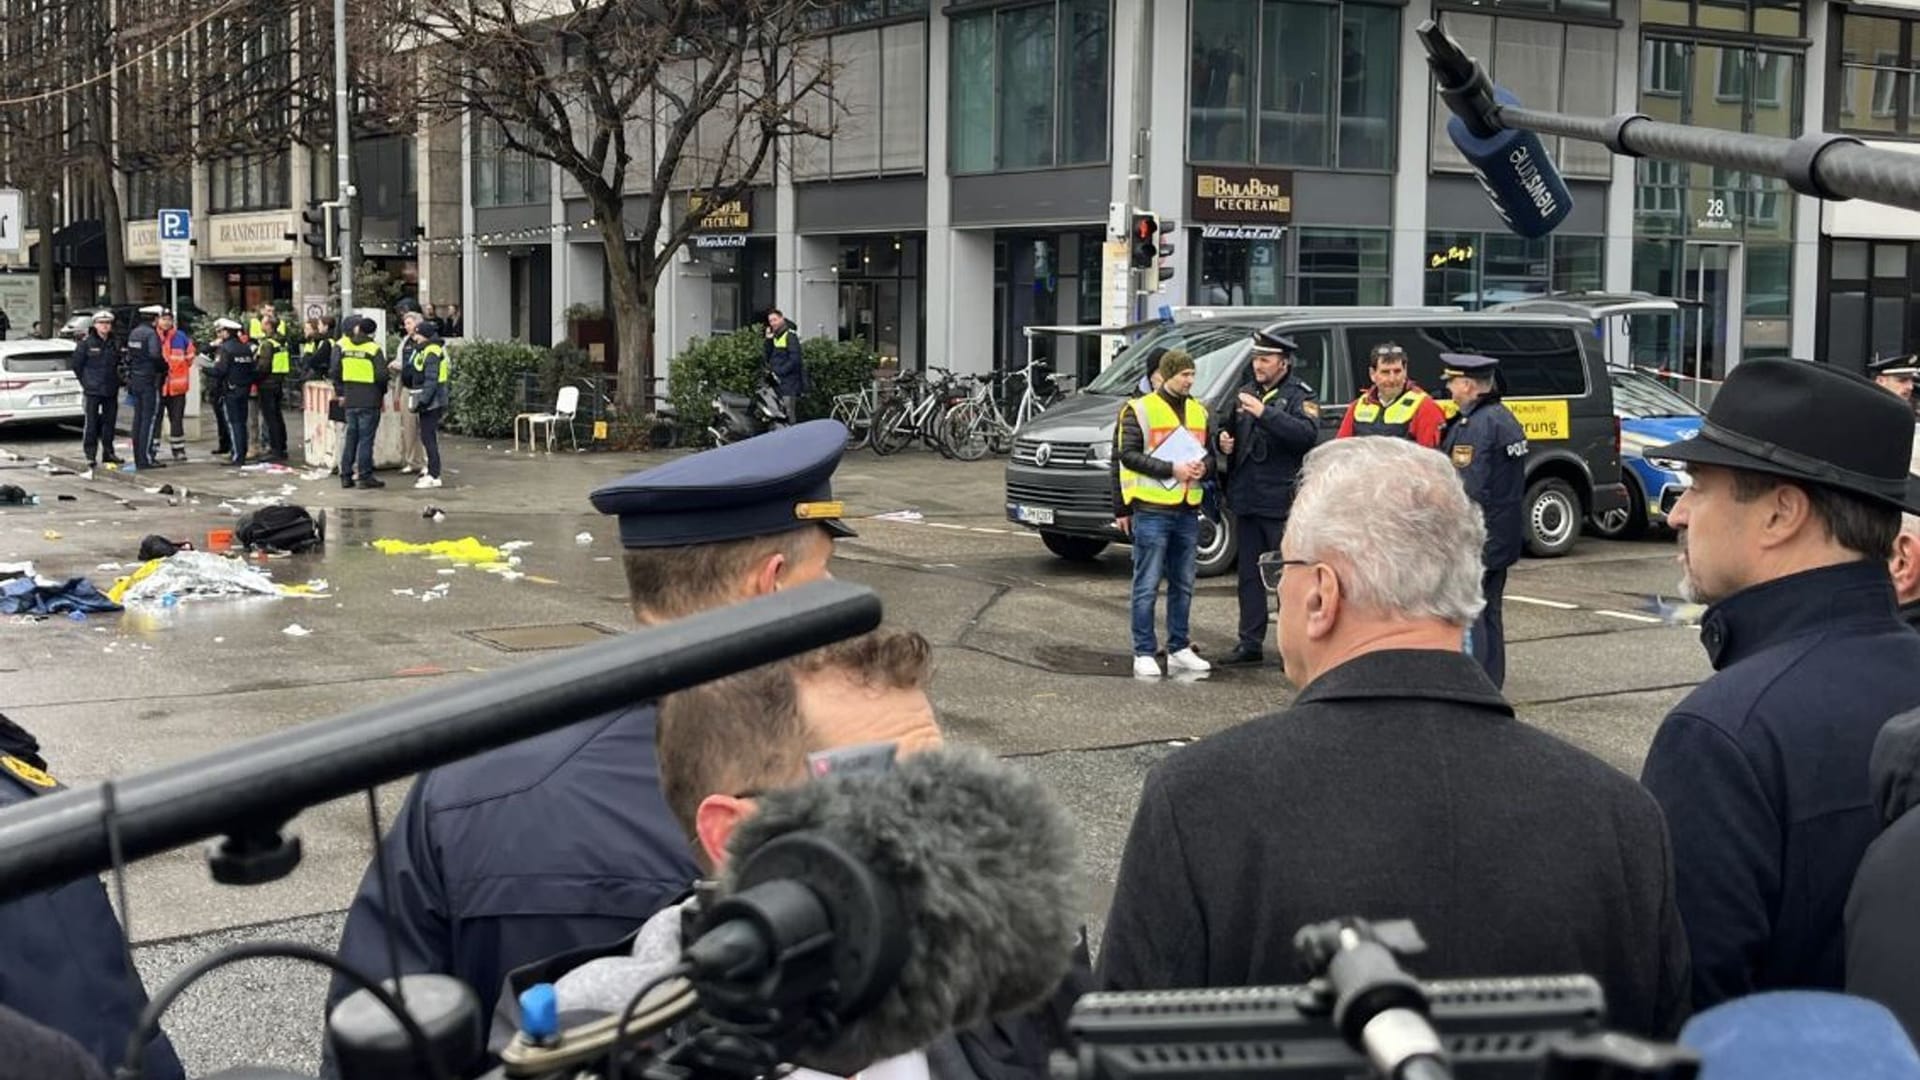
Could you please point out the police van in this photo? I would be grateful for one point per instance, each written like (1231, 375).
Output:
(1059, 478)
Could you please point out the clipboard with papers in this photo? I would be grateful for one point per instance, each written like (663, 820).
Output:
(1179, 447)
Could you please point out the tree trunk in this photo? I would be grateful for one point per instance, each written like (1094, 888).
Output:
(111, 221)
(631, 289)
(43, 213)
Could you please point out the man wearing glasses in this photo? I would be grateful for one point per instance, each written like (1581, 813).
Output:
(1394, 405)
(1399, 783)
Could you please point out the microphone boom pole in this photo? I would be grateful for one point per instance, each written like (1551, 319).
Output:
(1822, 164)
(261, 783)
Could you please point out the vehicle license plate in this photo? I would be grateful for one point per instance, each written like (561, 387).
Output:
(1033, 515)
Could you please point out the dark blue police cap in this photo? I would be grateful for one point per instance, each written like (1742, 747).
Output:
(760, 487)
(1479, 367)
(1272, 340)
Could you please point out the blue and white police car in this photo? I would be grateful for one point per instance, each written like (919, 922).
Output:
(1650, 414)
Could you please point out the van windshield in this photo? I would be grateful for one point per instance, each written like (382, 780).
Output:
(1213, 348)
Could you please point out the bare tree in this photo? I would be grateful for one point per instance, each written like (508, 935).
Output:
(684, 100)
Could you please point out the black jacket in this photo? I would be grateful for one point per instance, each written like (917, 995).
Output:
(146, 365)
(1488, 448)
(1133, 454)
(234, 367)
(1910, 614)
(1762, 772)
(96, 360)
(1883, 930)
(1400, 785)
(360, 395)
(1265, 462)
(784, 359)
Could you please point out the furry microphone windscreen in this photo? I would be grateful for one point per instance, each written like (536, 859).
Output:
(984, 860)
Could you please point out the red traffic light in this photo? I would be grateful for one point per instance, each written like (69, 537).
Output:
(1144, 228)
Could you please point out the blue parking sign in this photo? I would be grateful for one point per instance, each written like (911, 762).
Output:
(176, 225)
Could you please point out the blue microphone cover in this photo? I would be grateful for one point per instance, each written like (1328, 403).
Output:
(1801, 1035)
(1516, 172)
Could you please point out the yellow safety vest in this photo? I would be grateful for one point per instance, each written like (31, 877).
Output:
(1395, 420)
(356, 361)
(273, 336)
(1158, 421)
(420, 359)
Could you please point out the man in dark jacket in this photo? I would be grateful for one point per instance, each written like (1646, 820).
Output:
(1274, 422)
(1398, 785)
(1883, 910)
(1161, 462)
(785, 361)
(97, 364)
(1799, 479)
(146, 374)
(234, 369)
(360, 379)
(1488, 446)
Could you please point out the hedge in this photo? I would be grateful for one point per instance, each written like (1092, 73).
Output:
(485, 385)
(734, 362)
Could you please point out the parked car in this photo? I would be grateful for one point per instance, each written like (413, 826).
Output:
(1058, 479)
(36, 384)
(1650, 415)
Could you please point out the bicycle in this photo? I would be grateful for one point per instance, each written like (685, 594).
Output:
(983, 422)
(858, 410)
(915, 415)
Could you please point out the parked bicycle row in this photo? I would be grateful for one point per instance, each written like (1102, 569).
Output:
(961, 416)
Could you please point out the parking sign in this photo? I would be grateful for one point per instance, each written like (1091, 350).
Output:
(176, 225)
(176, 244)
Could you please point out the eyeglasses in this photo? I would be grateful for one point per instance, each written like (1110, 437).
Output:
(1272, 565)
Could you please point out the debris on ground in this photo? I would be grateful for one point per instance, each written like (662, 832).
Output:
(15, 495)
(583, 539)
(402, 592)
(901, 515)
(467, 550)
(512, 546)
(35, 596)
(49, 535)
(191, 574)
(448, 570)
(296, 630)
(434, 513)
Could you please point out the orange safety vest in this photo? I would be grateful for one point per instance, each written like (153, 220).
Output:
(179, 363)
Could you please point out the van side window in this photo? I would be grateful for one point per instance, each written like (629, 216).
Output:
(1537, 361)
(1314, 362)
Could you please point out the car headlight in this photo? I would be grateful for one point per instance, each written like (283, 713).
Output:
(1101, 454)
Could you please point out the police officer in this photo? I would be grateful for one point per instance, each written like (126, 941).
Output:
(784, 360)
(564, 840)
(1488, 447)
(146, 372)
(234, 370)
(1895, 375)
(273, 360)
(63, 957)
(96, 362)
(360, 381)
(1273, 422)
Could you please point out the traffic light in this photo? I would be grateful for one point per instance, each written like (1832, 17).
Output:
(1163, 250)
(1145, 236)
(320, 231)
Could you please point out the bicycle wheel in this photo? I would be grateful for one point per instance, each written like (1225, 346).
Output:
(847, 411)
(893, 429)
(999, 433)
(962, 429)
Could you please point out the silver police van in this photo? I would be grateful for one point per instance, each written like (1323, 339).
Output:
(1059, 479)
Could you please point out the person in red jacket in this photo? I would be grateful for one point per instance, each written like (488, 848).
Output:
(1395, 405)
(178, 349)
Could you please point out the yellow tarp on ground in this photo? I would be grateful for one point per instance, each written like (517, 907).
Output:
(467, 550)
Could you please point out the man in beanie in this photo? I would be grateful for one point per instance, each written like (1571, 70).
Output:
(1799, 480)
(1162, 460)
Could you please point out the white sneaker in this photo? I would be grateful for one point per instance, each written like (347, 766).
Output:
(1187, 660)
(426, 481)
(1146, 667)
(408, 469)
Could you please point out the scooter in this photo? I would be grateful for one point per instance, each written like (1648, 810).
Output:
(742, 416)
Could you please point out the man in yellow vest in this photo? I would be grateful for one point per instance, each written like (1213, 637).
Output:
(360, 378)
(1161, 461)
(428, 394)
(1394, 406)
(785, 361)
(273, 357)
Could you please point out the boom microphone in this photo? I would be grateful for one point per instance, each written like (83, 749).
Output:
(1512, 165)
(982, 862)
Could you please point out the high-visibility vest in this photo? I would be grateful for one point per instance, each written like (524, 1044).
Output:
(1157, 421)
(273, 343)
(434, 349)
(180, 359)
(356, 361)
(1370, 418)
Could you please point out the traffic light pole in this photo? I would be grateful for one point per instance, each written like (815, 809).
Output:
(343, 158)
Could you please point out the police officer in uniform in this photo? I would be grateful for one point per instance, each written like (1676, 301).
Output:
(1488, 447)
(564, 840)
(273, 358)
(146, 372)
(63, 957)
(96, 363)
(1273, 422)
(234, 372)
(1895, 375)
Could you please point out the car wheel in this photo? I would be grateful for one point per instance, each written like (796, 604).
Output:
(1076, 548)
(1626, 523)
(1553, 518)
(1216, 552)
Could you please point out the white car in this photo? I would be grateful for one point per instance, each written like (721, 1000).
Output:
(36, 384)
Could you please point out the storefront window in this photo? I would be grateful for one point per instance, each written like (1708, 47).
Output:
(879, 293)
(1561, 66)
(1871, 303)
(1343, 267)
(1241, 273)
(1323, 75)
(1029, 86)
(1473, 270)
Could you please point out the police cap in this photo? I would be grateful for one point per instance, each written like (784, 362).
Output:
(103, 316)
(1453, 365)
(154, 309)
(1896, 365)
(1272, 340)
(760, 487)
(225, 324)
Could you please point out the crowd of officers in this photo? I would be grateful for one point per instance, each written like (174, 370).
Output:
(1170, 450)
(246, 371)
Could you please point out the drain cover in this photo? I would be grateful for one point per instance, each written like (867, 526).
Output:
(540, 636)
(1076, 660)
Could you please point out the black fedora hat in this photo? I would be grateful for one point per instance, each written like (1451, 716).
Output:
(1809, 422)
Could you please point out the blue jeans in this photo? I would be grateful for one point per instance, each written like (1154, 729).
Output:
(1165, 545)
(356, 446)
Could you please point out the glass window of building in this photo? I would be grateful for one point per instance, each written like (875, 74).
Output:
(503, 176)
(248, 182)
(1564, 66)
(1721, 237)
(1324, 77)
(1343, 267)
(1871, 301)
(1874, 76)
(875, 102)
(1259, 266)
(152, 190)
(1029, 86)
(1773, 18)
(1473, 270)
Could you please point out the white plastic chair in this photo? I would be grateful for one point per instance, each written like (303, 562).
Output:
(563, 409)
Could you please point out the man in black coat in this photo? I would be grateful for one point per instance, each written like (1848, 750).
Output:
(1399, 784)
(1486, 443)
(1883, 932)
(784, 360)
(96, 362)
(1273, 423)
(146, 373)
(1799, 479)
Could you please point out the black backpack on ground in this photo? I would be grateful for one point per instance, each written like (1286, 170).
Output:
(280, 528)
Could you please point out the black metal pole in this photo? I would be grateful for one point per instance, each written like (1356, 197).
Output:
(265, 781)
(1821, 164)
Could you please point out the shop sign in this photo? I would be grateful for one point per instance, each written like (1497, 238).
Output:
(1248, 196)
(720, 240)
(251, 236)
(735, 215)
(143, 241)
(1242, 232)
(1452, 255)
